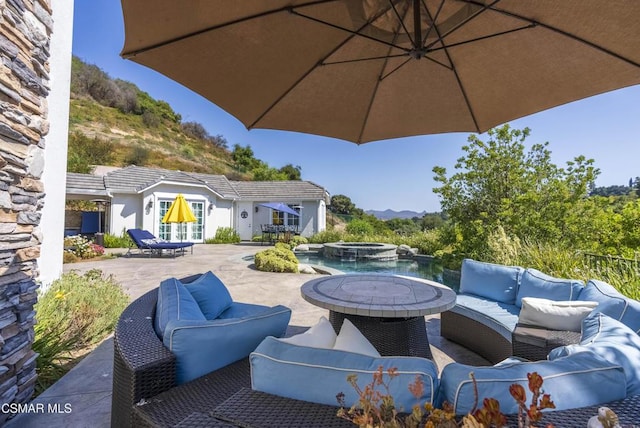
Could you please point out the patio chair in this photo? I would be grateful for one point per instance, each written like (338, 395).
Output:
(149, 244)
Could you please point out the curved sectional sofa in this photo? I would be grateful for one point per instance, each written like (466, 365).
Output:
(486, 317)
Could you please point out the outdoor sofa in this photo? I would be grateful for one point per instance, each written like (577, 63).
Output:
(147, 243)
(181, 331)
(487, 314)
(147, 392)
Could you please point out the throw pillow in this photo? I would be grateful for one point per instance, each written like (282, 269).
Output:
(321, 335)
(211, 294)
(352, 340)
(148, 241)
(555, 315)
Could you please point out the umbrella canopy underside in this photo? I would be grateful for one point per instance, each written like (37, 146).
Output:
(369, 70)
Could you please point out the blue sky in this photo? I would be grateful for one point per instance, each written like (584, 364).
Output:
(395, 174)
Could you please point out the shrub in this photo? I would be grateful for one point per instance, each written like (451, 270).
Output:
(114, 241)
(77, 310)
(277, 259)
(68, 257)
(224, 235)
(359, 227)
(81, 247)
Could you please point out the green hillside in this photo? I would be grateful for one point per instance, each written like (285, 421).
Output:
(112, 122)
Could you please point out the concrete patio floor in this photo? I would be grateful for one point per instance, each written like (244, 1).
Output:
(83, 396)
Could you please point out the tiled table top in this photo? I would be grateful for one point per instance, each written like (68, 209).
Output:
(385, 296)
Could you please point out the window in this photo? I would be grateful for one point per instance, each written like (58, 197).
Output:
(197, 226)
(294, 220)
(277, 217)
(164, 229)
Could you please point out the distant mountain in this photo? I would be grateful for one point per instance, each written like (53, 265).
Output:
(389, 214)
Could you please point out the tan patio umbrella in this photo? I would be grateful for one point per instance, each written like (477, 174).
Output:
(364, 70)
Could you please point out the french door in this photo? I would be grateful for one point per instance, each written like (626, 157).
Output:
(193, 232)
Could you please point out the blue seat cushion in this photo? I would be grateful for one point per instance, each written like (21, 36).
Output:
(495, 282)
(317, 375)
(203, 346)
(174, 303)
(611, 340)
(573, 381)
(613, 303)
(498, 316)
(537, 284)
(211, 294)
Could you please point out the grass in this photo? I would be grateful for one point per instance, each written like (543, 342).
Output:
(75, 313)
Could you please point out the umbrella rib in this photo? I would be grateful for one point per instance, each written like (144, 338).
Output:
(559, 31)
(483, 8)
(401, 20)
(381, 77)
(320, 62)
(373, 58)
(455, 73)
(136, 52)
(477, 39)
(435, 19)
(354, 33)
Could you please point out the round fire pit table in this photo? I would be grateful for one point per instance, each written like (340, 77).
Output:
(389, 310)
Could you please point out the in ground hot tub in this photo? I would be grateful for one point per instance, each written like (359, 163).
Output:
(354, 251)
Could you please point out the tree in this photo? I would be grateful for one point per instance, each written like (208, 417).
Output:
(243, 158)
(292, 172)
(498, 183)
(431, 221)
(341, 204)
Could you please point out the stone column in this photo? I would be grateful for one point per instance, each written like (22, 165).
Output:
(25, 33)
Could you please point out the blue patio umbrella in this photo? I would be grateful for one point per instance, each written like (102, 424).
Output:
(281, 206)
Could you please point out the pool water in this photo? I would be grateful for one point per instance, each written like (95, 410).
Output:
(427, 270)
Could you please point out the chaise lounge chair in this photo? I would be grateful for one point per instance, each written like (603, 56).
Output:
(149, 244)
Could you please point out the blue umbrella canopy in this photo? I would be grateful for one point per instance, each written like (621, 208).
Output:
(281, 206)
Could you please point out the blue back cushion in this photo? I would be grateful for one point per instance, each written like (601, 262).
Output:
(611, 340)
(211, 295)
(317, 375)
(573, 381)
(174, 303)
(613, 304)
(537, 284)
(495, 282)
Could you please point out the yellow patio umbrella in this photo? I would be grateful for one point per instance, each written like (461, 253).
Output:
(179, 212)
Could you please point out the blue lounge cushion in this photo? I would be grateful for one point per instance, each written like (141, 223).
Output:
(211, 295)
(537, 284)
(317, 375)
(613, 303)
(573, 381)
(500, 317)
(495, 282)
(611, 340)
(174, 303)
(203, 346)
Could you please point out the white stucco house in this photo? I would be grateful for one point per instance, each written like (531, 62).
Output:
(138, 197)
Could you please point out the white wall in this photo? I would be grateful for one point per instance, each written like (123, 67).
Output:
(55, 155)
(125, 213)
(221, 216)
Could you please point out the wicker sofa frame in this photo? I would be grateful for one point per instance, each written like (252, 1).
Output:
(145, 392)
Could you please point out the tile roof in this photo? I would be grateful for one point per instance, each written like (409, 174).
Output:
(85, 184)
(137, 178)
(280, 190)
(133, 179)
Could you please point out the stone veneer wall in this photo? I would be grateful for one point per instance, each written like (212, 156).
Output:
(25, 33)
